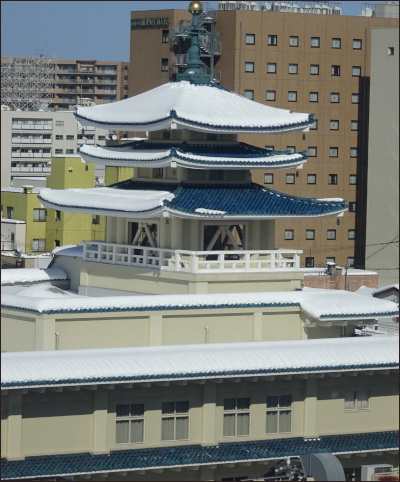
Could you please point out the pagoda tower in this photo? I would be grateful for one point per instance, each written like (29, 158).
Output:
(191, 214)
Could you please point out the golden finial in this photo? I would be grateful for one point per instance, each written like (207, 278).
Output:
(195, 8)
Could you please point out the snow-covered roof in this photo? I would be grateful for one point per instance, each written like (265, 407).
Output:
(317, 304)
(189, 200)
(192, 155)
(67, 367)
(31, 275)
(206, 108)
(12, 221)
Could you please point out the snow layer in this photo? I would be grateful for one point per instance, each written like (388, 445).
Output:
(317, 304)
(209, 360)
(203, 107)
(31, 275)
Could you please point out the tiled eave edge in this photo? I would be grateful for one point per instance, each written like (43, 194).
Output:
(157, 378)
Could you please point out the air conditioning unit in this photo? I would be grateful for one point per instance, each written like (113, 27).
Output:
(369, 472)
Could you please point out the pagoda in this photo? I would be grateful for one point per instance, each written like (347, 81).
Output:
(191, 209)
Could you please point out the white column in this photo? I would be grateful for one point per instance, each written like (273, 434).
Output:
(100, 421)
(121, 231)
(208, 413)
(310, 407)
(14, 426)
(45, 333)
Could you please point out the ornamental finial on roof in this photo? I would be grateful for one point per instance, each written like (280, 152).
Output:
(195, 8)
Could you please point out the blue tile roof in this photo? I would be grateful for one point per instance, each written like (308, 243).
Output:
(237, 200)
(190, 455)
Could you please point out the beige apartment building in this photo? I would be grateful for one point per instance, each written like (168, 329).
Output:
(301, 62)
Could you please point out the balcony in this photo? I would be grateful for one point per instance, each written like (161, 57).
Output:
(193, 262)
(31, 169)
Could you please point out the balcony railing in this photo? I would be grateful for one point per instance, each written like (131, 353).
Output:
(191, 261)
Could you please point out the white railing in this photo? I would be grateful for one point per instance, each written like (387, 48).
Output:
(191, 261)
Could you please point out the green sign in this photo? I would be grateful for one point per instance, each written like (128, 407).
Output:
(149, 22)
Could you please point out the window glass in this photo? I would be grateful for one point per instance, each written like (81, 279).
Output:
(249, 67)
(290, 178)
(336, 43)
(309, 262)
(357, 44)
(312, 151)
(249, 94)
(310, 233)
(293, 41)
(355, 125)
(271, 68)
(250, 39)
(356, 71)
(331, 234)
(272, 40)
(314, 69)
(332, 179)
(334, 125)
(271, 95)
(279, 414)
(335, 96)
(289, 234)
(333, 152)
(311, 178)
(315, 42)
(293, 68)
(313, 97)
(351, 234)
(292, 96)
(353, 179)
(236, 420)
(355, 98)
(335, 70)
(353, 152)
(268, 178)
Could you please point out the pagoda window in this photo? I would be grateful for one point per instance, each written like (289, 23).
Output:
(143, 234)
(158, 172)
(224, 237)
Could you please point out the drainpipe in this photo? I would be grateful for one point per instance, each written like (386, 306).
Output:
(240, 55)
(57, 340)
(207, 333)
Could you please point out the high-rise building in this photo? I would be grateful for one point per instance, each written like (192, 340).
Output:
(316, 62)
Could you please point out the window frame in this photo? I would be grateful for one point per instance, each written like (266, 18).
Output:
(248, 36)
(335, 70)
(270, 92)
(351, 234)
(354, 44)
(353, 177)
(130, 419)
(331, 234)
(236, 412)
(316, 67)
(311, 176)
(272, 40)
(353, 152)
(41, 243)
(338, 97)
(332, 179)
(164, 65)
(315, 95)
(175, 415)
(353, 101)
(289, 234)
(41, 213)
(165, 36)
(309, 262)
(356, 71)
(271, 177)
(318, 42)
(294, 94)
(354, 395)
(332, 125)
(279, 409)
(251, 66)
(352, 207)
(249, 91)
(355, 123)
(310, 232)
(10, 212)
(295, 69)
(334, 152)
(271, 65)
(336, 43)
(293, 41)
(290, 178)
(312, 151)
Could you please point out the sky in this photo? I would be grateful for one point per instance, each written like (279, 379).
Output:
(73, 30)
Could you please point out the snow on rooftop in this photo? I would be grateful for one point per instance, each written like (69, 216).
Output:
(197, 361)
(12, 221)
(316, 303)
(31, 275)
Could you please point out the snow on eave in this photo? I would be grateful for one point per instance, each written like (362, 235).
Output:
(31, 275)
(215, 360)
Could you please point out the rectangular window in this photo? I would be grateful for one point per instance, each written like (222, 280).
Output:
(336, 43)
(272, 40)
(310, 234)
(293, 68)
(315, 42)
(10, 212)
(351, 234)
(357, 44)
(335, 70)
(332, 179)
(175, 421)
(292, 96)
(289, 234)
(290, 178)
(352, 207)
(355, 125)
(351, 261)
(356, 400)
(164, 65)
(334, 125)
(58, 216)
(70, 137)
(333, 152)
(313, 97)
(312, 151)
(165, 36)
(130, 423)
(314, 125)
(271, 95)
(331, 234)
(330, 259)
(69, 151)
(236, 417)
(311, 178)
(250, 39)
(355, 98)
(95, 219)
(59, 151)
(335, 97)
(290, 149)
(356, 71)
(314, 69)
(249, 94)
(269, 148)
(38, 245)
(268, 178)
(249, 66)
(279, 414)
(353, 152)
(293, 41)
(59, 123)
(390, 50)
(309, 262)
(59, 137)
(271, 68)
(353, 179)
(39, 215)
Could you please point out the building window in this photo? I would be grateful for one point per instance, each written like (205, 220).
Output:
(250, 39)
(292, 96)
(313, 97)
(311, 178)
(352, 207)
(268, 178)
(39, 215)
(356, 71)
(332, 179)
(331, 234)
(10, 212)
(165, 36)
(335, 70)
(351, 234)
(314, 69)
(293, 41)
(175, 421)
(271, 95)
(334, 125)
(249, 94)
(130, 423)
(336, 43)
(269, 148)
(69, 151)
(357, 44)
(59, 137)
(271, 68)
(279, 414)
(353, 179)
(315, 42)
(330, 259)
(355, 125)
(38, 245)
(353, 152)
(293, 68)
(355, 98)
(289, 234)
(312, 151)
(309, 262)
(335, 97)
(272, 40)
(333, 152)
(314, 125)
(70, 137)
(57, 243)
(58, 216)
(236, 417)
(249, 66)
(164, 65)
(290, 178)
(59, 151)
(390, 50)
(95, 219)
(290, 149)
(59, 123)
(310, 234)
(356, 400)
(351, 261)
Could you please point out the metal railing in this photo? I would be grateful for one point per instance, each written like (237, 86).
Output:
(191, 261)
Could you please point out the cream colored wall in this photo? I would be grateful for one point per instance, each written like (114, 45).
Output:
(17, 333)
